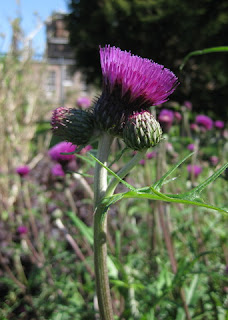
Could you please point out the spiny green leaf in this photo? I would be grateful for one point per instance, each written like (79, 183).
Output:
(114, 174)
(162, 197)
(157, 185)
(195, 193)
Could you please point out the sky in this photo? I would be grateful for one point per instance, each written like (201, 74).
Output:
(26, 9)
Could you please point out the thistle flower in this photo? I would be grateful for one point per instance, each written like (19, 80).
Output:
(22, 230)
(219, 124)
(177, 116)
(73, 125)
(86, 149)
(194, 127)
(142, 162)
(141, 131)
(214, 160)
(194, 169)
(188, 105)
(83, 102)
(191, 147)
(63, 147)
(204, 122)
(23, 170)
(151, 155)
(130, 84)
(166, 119)
(57, 170)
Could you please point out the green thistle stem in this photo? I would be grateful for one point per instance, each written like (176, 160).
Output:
(100, 231)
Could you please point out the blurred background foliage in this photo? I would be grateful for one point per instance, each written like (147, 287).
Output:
(164, 31)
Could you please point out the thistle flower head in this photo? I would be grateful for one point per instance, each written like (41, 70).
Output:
(141, 131)
(191, 147)
(130, 84)
(73, 125)
(194, 169)
(214, 160)
(204, 121)
(151, 155)
(23, 170)
(63, 147)
(57, 170)
(83, 102)
(166, 119)
(22, 230)
(219, 124)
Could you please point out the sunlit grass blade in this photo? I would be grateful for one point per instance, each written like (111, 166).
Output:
(87, 232)
(201, 52)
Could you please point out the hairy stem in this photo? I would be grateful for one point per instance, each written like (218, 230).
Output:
(100, 232)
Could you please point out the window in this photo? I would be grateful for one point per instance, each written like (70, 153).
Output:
(51, 82)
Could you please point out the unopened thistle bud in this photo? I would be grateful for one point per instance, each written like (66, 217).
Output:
(142, 131)
(73, 125)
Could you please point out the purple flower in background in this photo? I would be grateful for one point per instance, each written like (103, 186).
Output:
(83, 102)
(57, 170)
(219, 124)
(62, 147)
(23, 170)
(194, 169)
(188, 105)
(191, 147)
(151, 155)
(194, 127)
(177, 116)
(86, 149)
(142, 162)
(166, 119)
(22, 230)
(214, 160)
(130, 84)
(204, 122)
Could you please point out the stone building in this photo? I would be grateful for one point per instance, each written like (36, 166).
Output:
(61, 86)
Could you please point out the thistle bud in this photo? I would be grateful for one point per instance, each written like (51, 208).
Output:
(141, 131)
(73, 125)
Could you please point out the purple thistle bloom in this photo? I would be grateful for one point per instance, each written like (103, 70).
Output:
(62, 147)
(151, 155)
(86, 149)
(191, 147)
(22, 230)
(23, 170)
(166, 119)
(83, 102)
(219, 124)
(204, 121)
(188, 105)
(194, 169)
(214, 160)
(177, 116)
(57, 170)
(130, 84)
(166, 116)
(142, 162)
